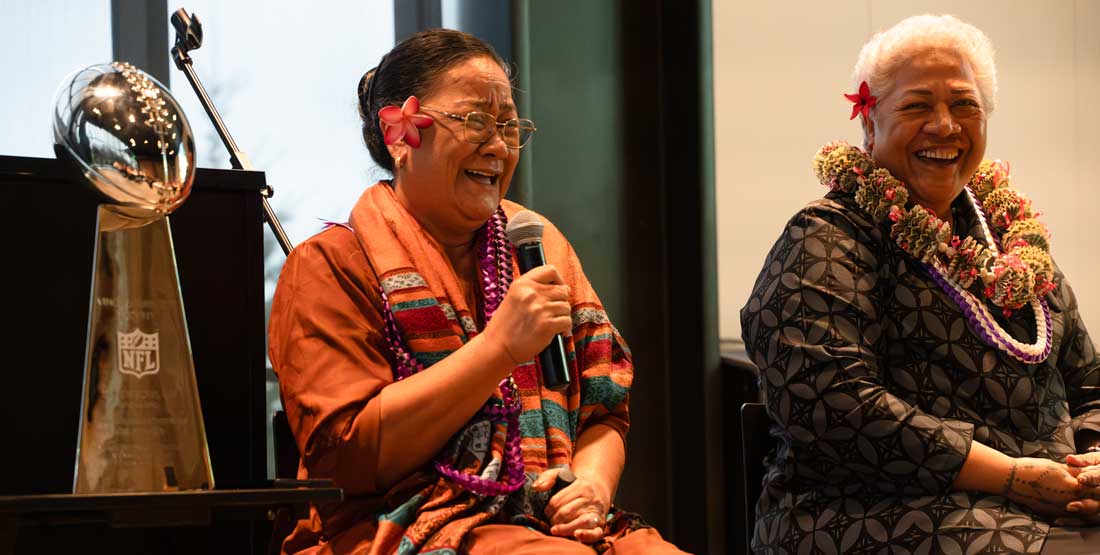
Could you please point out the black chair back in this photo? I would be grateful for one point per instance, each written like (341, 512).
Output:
(286, 450)
(286, 468)
(755, 445)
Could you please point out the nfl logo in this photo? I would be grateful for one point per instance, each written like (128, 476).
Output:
(138, 353)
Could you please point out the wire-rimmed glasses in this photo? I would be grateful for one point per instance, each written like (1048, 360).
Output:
(478, 127)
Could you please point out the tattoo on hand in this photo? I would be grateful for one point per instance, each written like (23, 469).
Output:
(1011, 478)
(1036, 491)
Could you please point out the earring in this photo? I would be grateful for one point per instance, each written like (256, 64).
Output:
(399, 161)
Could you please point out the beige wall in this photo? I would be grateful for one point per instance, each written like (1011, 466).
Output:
(780, 69)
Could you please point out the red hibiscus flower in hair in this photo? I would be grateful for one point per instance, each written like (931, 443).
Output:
(404, 122)
(863, 102)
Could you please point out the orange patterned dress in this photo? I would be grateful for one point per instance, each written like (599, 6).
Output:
(327, 346)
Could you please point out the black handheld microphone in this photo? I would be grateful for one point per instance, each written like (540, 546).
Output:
(525, 232)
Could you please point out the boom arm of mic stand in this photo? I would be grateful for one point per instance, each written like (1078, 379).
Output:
(236, 158)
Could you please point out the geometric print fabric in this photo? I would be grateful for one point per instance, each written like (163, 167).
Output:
(876, 386)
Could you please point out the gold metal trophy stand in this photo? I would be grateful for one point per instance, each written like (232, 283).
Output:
(141, 427)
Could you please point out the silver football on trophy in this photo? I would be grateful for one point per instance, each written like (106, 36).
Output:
(129, 136)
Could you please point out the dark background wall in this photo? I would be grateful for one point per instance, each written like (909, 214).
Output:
(623, 164)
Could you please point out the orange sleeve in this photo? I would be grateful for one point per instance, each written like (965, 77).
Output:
(327, 348)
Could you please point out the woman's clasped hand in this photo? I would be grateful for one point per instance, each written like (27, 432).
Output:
(1070, 493)
(578, 510)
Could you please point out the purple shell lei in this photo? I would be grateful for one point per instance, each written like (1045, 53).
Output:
(979, 317)
(495, 269)
(983, 324)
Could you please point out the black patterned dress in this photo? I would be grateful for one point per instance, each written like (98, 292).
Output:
(876, 386)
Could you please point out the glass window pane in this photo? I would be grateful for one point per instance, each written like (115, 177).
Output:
(284, 80)
(44, 41)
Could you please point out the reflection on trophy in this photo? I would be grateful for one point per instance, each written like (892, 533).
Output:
(141, 427)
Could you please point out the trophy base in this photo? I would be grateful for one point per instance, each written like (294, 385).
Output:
(141, 427)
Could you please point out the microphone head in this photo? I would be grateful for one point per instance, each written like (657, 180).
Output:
(524, 227)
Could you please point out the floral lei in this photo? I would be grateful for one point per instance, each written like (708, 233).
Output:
(1020, 275)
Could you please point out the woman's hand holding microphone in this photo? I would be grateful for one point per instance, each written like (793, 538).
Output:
(535, 309)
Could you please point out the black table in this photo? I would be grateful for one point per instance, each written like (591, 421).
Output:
(158, 510)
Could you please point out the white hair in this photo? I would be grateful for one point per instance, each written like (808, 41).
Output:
(888, 50)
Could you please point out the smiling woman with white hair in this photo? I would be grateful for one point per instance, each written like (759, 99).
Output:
(930, 381)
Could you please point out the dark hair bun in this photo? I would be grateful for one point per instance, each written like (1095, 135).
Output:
(409, 69)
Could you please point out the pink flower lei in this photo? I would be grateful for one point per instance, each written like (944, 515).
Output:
(1018, 272)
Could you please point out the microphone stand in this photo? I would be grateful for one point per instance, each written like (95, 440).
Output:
(189, 37)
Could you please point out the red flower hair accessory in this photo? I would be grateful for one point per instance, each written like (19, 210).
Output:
(863, 102)
(404, 122)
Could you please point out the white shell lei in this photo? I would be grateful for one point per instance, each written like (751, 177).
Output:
(982, 319)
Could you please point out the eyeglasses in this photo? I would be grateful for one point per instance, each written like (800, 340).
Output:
(478, 127)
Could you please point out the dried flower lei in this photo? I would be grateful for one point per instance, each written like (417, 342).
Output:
(495, 269)
(1021, 275)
